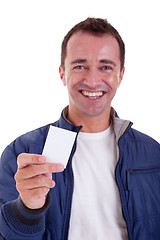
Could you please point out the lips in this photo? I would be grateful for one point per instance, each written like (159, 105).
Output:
(92, 95)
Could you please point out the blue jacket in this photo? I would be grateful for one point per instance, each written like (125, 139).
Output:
(137, 175)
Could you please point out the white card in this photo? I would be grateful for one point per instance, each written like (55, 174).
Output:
(58, 145)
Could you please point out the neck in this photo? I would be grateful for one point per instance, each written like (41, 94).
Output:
(91, 124)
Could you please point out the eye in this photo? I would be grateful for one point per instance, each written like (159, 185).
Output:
(79, 67)
(106, 68)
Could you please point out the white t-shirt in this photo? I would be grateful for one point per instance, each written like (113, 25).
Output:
(96, 212)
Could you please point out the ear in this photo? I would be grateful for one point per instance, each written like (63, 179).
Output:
(62, 75)
(121, 76)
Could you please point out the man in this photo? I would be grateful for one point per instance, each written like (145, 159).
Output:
(110, 187)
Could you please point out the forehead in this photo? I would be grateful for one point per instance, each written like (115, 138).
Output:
(84, 44)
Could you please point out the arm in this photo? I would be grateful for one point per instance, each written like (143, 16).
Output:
(19, 220)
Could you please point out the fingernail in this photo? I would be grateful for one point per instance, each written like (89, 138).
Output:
(60, 167)
(52, 184)
(42, 159)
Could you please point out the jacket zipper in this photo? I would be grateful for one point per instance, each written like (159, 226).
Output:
(70, 192)
(143, 170)
(119, 183)
(140, 171)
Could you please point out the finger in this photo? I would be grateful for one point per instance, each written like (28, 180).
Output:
(35, 170)
(25, 159)
(48, 175)
(36, 182)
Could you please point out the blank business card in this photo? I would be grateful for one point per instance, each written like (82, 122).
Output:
(58, 145)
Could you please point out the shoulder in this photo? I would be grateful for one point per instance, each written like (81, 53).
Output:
(135, 135)
(139, 149)
(35, 136)
(140, 145)
(30, 142)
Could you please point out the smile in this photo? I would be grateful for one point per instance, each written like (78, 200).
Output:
(92, 95)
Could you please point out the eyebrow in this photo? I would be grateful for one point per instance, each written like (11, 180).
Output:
(106, 61)
(78, 61)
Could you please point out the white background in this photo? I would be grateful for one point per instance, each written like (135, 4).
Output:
(31, 31)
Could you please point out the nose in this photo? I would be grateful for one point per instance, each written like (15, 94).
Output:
(92, 78)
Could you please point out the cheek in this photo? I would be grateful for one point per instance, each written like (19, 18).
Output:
(72, 80)
(112, 80)
(71, 83)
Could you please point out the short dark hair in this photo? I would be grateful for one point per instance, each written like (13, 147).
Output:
(97, 27)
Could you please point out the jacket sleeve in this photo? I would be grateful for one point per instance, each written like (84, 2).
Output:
(16, 220)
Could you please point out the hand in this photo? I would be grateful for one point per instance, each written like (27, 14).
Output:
(34, 179)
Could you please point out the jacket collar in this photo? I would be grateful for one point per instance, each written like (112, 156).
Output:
(65, 124)
(119, 125)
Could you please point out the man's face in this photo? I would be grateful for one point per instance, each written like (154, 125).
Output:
(92, 73)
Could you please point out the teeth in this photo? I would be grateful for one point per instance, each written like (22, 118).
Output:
(92, 94)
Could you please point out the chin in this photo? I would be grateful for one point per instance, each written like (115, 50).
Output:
(95, 112)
